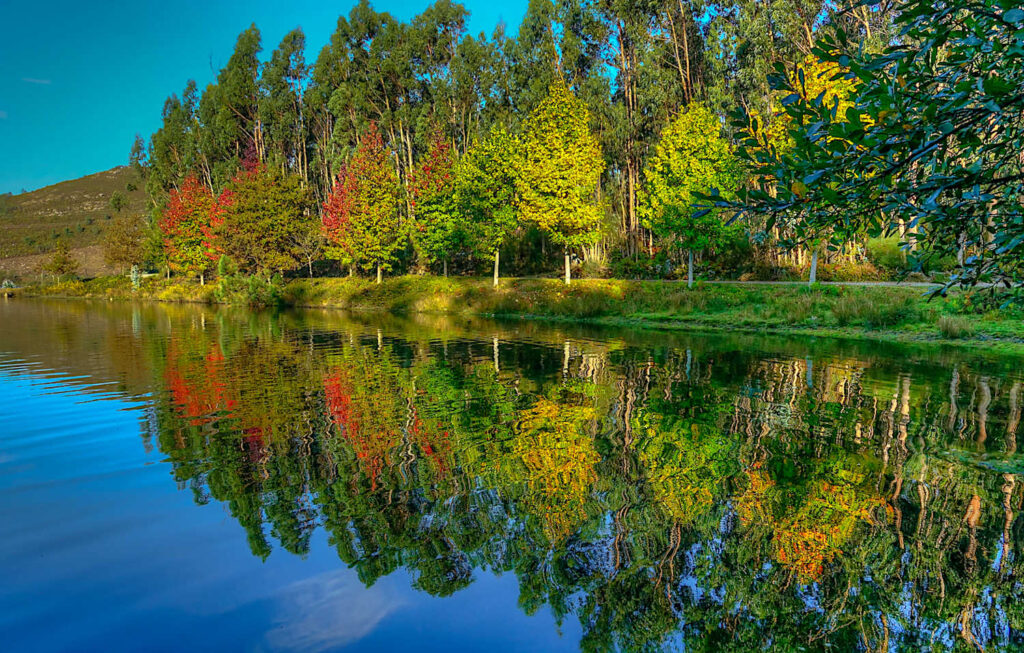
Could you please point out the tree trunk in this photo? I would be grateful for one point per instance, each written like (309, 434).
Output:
(310, 261)
(689, 269)
(380, 273)
(497, 256)
(444, 265)
(202, 278)
(568, 270)
(814, 267)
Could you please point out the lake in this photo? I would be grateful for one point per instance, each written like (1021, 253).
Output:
(192, 478)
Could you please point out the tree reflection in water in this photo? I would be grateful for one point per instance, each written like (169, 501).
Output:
(706, 493)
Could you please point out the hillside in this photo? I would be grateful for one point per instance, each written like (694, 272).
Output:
(76, 211)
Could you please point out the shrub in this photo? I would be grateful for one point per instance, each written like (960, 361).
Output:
(852, 272)
(643, 266)
(255, 291)
(886, 253)
(955, 327)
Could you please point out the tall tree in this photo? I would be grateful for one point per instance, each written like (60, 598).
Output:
(558, 171)
(692, 158)
(485, 193)
(230, 109)
(281, 109)
(174, 149)
(437, 231)
(360, 216)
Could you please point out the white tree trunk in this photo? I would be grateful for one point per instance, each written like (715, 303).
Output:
(568, 270)
(380, 273)
(689, 269)
(497, 256)
(814, 267)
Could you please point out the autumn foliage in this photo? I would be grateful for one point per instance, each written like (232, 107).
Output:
(360, 217)
(437, 231)
(187, 228)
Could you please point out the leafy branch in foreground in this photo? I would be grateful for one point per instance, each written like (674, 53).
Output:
(932, 147)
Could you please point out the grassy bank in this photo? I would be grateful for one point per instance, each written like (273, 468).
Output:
(872, 312)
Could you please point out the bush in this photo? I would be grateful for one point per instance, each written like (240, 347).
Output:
(885, 253)
(643, 266)
(955, 327)
(852, 272)
(735, 253)
(255, 291)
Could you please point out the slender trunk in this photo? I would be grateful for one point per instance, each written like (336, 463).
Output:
(497, 256)
(202, 278)
(568, 270)
(351, 271)
(689, 269)
(814, 267)
(310, 262)
(444, 265)
(380, 273)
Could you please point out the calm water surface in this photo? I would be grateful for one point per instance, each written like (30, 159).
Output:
(182, 478)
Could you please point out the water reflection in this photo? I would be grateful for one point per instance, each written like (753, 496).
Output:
(704, 491)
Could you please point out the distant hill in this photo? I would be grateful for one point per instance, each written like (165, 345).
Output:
(76, 211)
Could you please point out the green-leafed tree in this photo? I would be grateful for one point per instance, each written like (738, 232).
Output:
(261, 217)
(360, 217)
(932, 142)
(485, 193)
(281, 110)
(692, 157)
(437, 232)
(558, 169)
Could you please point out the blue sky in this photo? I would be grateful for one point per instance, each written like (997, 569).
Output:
(79, 79)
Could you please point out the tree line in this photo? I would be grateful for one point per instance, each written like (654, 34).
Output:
(594, 134)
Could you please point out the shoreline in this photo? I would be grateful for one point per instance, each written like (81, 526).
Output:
(883, 313)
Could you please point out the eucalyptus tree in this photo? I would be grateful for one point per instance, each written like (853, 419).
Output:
(174, 149)
(281, 109)
(233, 117)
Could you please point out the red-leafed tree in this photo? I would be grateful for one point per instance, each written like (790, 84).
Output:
(337, 218)
(186, 227)
(437, 232)
(360, 219)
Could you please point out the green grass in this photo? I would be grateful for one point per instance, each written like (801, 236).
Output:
(872, 312)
